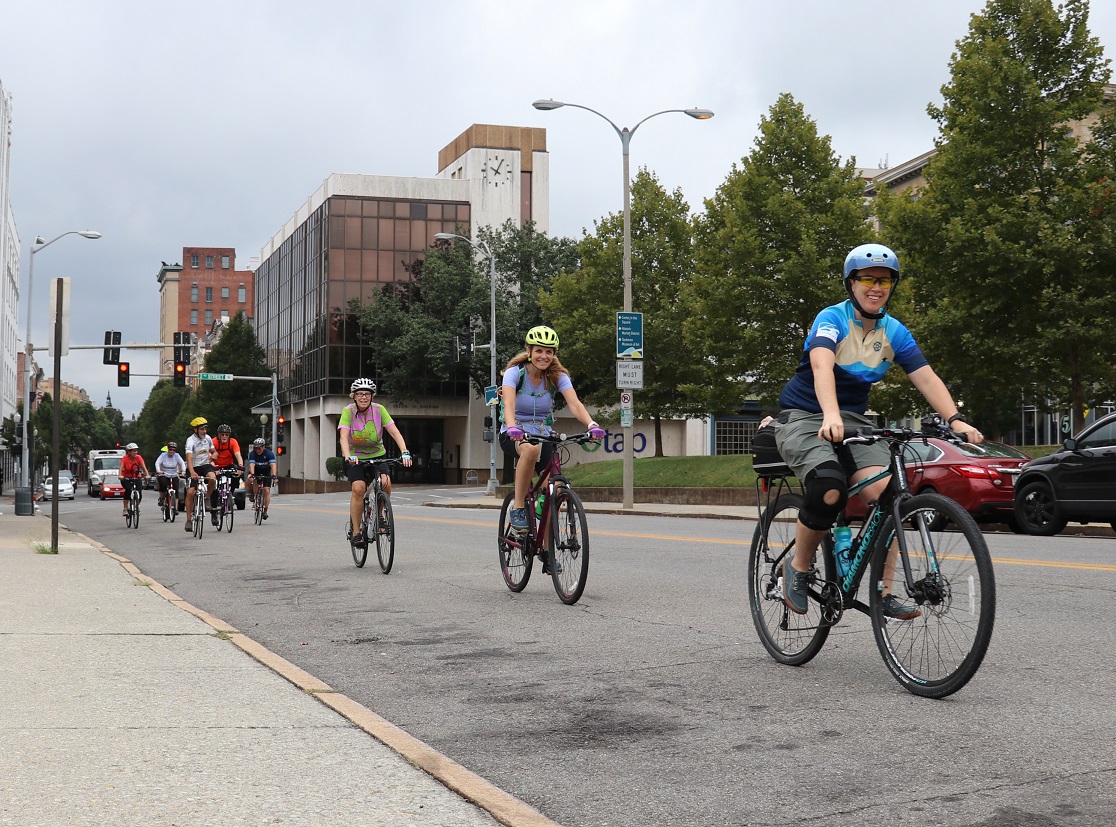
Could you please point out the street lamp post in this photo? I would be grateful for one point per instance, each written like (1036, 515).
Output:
(25, 459)
(625, 135)
(486, 251)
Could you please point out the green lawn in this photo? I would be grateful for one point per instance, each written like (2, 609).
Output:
(669, 472)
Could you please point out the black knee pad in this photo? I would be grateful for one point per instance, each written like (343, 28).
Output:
(816, 513)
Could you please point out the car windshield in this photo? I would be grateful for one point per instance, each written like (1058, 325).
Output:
(991, 449)
(65, 475)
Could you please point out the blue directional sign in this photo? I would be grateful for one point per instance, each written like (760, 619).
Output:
(629, 335)
(490, 397)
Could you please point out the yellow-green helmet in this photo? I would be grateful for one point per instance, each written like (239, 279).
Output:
(542, 336)
(198, 421)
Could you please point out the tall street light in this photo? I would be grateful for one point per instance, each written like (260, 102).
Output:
(625, 140)
(25, 460)
(486, 251)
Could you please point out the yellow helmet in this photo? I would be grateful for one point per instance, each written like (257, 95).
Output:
(198, 421)
(543, 336)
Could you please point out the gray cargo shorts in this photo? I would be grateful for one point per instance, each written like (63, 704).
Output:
(798, 443)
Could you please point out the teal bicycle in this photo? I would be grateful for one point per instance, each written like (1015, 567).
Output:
(923, 546)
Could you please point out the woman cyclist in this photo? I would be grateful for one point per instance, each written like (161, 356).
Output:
(362, 430)
(169, 464)
(531, 380)
(133, 471)
(849, 347)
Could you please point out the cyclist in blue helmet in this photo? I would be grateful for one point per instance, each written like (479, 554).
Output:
(849, 348)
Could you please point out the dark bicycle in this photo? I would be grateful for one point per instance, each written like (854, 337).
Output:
(923, 546)
(377, 522)
(556, 529)
(170, 500)
(226, 503)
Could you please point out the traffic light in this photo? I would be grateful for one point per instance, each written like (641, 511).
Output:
(180, 374)
(279, 423)
(183, 339)
(123, 374)
(282, 449)
(453, 349)
(112, 349)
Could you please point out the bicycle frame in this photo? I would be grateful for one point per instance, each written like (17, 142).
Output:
(546, 487)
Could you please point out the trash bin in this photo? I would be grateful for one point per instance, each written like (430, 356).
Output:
(24, 505)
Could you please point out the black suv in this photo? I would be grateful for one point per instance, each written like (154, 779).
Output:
(1077, 482)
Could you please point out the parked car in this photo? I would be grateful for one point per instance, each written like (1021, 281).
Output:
(979, 477)
(111, 487)
(66, 487)
(1077, 483)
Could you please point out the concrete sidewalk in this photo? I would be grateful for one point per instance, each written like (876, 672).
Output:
(124, 705)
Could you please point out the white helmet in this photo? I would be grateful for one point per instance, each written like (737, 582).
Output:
(362, 385)
(131, 446)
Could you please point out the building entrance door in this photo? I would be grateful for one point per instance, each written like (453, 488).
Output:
(425, 439)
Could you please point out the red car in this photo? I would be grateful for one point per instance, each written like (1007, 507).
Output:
(111, 487)
(980, 477)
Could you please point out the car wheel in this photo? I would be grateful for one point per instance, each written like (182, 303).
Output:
(940, 521)
(102, 496)
(1036, 509)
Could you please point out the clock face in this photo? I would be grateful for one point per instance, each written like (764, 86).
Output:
(497, 170)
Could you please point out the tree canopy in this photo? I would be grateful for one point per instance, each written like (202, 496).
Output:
(1007, 253)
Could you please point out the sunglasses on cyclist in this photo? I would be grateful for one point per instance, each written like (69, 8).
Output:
(887, 282)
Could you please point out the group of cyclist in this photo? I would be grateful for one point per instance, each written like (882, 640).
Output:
(203, 458)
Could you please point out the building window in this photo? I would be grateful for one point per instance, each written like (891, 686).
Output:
(209, 294)
(208, 318)
(225, 316)
(194, 292)
(209, 262)
(194, 261)
(241, 294)
(734, 436)
(224, 262)
(224, 292)
(193, 317)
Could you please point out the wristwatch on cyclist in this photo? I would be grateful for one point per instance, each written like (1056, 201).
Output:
(957, 417)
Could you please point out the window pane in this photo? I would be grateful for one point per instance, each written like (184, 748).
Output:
(402, 235)
(434, 211)
(418, 236)
(386, 233)
(209, 262)
(402, 210)
(370, 239)
(352, 233)
(418, 211)
(193, 317)
(224, 262)
(387, 210)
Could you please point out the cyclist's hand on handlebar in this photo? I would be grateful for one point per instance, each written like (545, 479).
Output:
(515, 432)
(969, 432)
(597, 432)
(406, 459)
(832, 429)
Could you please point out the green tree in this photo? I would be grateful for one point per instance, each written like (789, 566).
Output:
(1008, 250)
(582, 304)
(155, 424)
(449, 294)
(238, 352)
(771, 246)
(83, 428)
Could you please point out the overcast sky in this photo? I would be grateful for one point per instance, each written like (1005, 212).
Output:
(208, 123)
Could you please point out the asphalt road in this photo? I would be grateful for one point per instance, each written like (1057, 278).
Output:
(651, 702)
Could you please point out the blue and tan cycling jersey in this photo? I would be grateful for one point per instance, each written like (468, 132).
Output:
(862, 358)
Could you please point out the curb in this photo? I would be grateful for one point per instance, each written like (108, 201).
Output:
(501, 805)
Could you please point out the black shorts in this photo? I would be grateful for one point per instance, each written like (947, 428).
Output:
(164, 483)
(511, 449)
(201, 471)
(363, 470)
(263, 479)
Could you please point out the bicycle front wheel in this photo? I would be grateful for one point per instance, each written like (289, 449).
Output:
(514, 550)
(199, 513)
(257, 504)
(385, 532)
(939, 651)
(229, 508)
(790, 638)
(172, 506)
(569, 546)
(135, 509)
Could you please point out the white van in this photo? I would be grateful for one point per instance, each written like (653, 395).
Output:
(101, 462)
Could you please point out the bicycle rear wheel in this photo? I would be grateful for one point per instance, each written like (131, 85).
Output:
(515, 551)
(385, 533)
(938, 652)
(790, 638)
(569, 546)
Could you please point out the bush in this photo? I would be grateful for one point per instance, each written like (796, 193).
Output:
(336, 467)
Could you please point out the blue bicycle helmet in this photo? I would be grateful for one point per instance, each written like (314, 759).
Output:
(869, 255)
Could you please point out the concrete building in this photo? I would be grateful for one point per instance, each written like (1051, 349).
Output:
(352, 235)
(204, 288)
(9, 285)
